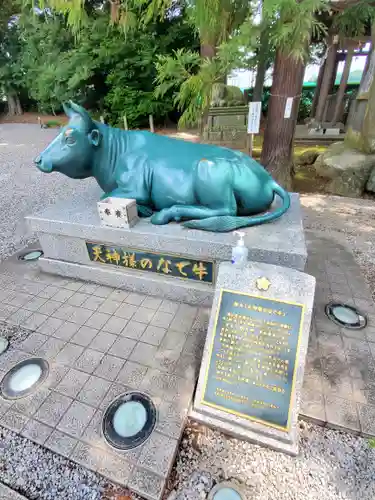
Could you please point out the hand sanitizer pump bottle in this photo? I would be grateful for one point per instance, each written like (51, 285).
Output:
(240, 252)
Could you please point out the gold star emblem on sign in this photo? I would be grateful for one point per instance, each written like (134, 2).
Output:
(263, 283)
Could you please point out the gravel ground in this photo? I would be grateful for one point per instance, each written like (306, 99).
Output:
(331, 466)
(350, 222)
(39, 474)
(24, 189)
(15, 334)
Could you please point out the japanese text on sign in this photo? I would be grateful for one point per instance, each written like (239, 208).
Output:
(253, 121)
(167, 265)
(253, 357)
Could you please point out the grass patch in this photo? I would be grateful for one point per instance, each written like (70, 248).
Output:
(53, 124)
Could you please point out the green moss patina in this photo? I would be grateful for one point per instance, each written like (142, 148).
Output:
(208, 187)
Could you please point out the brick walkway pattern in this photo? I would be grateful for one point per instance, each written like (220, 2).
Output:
(101, 342)
(339, 384)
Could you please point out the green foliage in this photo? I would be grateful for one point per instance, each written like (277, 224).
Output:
(11, 75)
(192, 77)
(371, 443)
(140, 57)
(97, 65)
(73, 10)
(173, 70)
(354, 20)
(305, 105)
(293, 24)
(131, 80)
(50, 61)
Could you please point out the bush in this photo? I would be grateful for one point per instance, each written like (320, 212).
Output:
(137, 105)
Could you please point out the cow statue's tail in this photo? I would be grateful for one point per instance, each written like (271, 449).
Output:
(225, 223)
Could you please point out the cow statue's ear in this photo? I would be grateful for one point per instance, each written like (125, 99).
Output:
(67, 109)
(94, 137)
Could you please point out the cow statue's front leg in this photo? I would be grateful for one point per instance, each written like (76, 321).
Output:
(187, 212)
(131, 177)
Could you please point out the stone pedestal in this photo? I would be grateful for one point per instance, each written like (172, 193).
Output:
(65, 229)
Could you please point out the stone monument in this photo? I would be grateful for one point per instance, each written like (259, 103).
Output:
(253, 363)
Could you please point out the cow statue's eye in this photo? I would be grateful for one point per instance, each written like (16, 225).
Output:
(70, 140)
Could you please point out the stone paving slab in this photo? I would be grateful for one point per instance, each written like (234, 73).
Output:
(100, 343)
(339, 384)
(9, 494)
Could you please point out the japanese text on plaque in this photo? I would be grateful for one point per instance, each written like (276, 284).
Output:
(253, 357)
(167, 265)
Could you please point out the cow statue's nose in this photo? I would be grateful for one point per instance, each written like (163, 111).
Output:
(38, 160)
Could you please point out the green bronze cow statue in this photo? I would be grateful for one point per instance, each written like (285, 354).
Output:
(206, 186)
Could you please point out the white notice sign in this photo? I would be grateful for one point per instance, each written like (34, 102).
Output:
(253, 121)
(288, 107)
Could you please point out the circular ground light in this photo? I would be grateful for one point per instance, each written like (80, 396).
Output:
(345, 315)
(226, 491)
(24, 378)
(129, 420)
(4, 344)
(31, 255)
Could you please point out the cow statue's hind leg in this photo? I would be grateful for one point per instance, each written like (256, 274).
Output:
(188, 212)
(214, 194)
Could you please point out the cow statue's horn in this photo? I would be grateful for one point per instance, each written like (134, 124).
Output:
(72, 108)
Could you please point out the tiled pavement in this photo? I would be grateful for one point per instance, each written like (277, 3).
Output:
(339, 384)
(102, 342)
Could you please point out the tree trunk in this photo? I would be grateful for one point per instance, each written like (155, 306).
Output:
(361, 125)
(12, 108)
(262, 66)
(14, 104)
(18, 105)
(368, 126)
(208, 50)
(277, 153)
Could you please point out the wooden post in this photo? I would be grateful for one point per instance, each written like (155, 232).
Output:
(251, 144)
(125, 123)
(317, 89)
(151, 120)
(327, 79)
(367, 65)
(343, 84)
